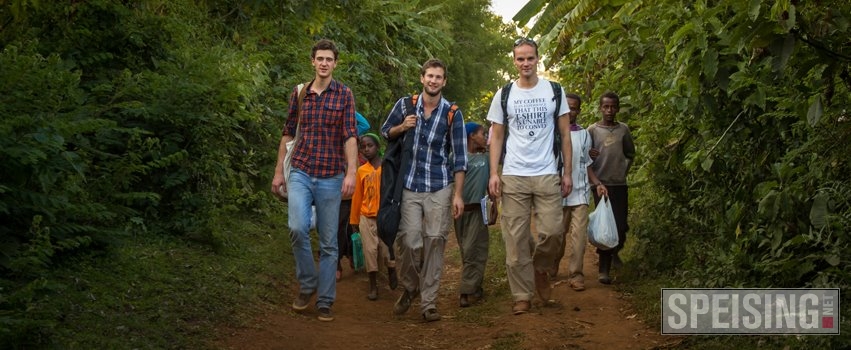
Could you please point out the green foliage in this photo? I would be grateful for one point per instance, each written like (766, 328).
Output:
(46, 138)
(126, 121)
(479, 37)
(739, 110)
(156, 292)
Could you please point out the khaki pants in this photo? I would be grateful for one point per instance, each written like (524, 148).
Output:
(523, 253)
(575, 226)
(421, 241)
(373, 247)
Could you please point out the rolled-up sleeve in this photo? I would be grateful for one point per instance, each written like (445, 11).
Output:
(394, 118)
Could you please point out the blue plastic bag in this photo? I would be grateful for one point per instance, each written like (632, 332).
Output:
(602, 227)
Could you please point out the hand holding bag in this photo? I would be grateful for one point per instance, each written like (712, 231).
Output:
(602, 228)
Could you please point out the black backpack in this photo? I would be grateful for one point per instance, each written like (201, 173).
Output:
(556, 140)
(399, 151)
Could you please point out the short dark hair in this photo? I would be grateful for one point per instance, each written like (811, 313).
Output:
(573, 96)
(611, 95)
(433, 63)
(324, 44)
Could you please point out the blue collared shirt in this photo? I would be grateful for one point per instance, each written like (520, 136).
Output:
(438, 152)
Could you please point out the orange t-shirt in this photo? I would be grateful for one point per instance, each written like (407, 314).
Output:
(367, 192)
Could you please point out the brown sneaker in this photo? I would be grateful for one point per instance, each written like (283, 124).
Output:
(543, 286)
(577, 284)
(431, 315)
(302, 301)
(325, 314)
(520, 307)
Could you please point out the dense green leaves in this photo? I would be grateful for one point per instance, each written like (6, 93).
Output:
(163, 117)
(739, 109)
(815, 111)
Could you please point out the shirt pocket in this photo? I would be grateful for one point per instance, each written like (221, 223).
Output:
(333, 113)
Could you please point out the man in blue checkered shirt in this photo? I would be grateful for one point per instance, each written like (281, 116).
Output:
(429, 199)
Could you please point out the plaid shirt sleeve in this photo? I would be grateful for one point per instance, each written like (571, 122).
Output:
(459, 142)
(350, 122)
(394, 118)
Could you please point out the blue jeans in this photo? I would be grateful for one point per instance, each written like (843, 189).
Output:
(304, 191)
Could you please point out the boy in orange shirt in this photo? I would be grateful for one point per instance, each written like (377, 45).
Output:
(364, 211)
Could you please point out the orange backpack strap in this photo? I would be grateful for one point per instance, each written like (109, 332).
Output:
(409, 105)
(449, 117)
(452, 113)
(452, 109)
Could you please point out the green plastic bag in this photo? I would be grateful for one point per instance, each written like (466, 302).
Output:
(357, 251)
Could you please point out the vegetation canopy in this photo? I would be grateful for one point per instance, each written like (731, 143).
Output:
(149, 130)
(739, 110)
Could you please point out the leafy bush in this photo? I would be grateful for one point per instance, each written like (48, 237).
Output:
(126, 121)
(45, 145)
(739, 110)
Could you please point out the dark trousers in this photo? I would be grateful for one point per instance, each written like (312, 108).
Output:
(619, 196)
(344, 230)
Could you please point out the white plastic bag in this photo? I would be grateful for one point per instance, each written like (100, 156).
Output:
(602, 228)
(312, 217)
(288, 159)
(290, 147)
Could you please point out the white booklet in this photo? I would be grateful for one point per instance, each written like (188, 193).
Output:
(484, 204)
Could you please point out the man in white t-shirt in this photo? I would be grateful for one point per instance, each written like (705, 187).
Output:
(530, 175)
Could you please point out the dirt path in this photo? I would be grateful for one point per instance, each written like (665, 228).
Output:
(597, 318)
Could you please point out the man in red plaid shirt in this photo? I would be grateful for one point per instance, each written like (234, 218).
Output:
(323, 168)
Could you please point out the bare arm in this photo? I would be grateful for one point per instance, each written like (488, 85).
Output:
(351, 151)
(567, 155)
(390, 129)
(409, 122)
(595, 181)
(457, 197)
(497, 137)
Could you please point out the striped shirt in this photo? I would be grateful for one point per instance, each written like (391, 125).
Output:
(436, 156)
(328, 120)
